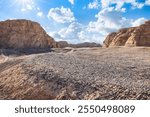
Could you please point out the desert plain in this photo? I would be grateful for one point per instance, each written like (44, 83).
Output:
(76, 73)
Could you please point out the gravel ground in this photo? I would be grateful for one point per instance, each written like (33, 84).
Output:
(126, 68)
(92, 73)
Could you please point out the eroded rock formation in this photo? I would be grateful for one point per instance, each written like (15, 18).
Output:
(85, 44)
(134, 36)
(63, 44)
(24, 34)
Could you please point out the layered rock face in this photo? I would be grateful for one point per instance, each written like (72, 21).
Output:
(135, 36)
(24, 34)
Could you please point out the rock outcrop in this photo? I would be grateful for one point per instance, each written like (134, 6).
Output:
(63, 44)
(85, 44)
(134, 36)
(24, 34)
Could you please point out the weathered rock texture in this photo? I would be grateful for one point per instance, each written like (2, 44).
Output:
(63, 44)
(24, 34)
(135, 36)
(85, 44)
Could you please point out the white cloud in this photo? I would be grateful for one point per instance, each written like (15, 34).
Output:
(71, 1)
(86, 36)
(71, 30)
(55, 35)
(29, 7)
(138, 21)
(94, 5)
(147, 2)
(61, 15)
(105, 3)
(109, 19)
(106, 21)
(75, 33)
(38, 9)
(120, 3)
(95, 31)
(23, 9)
(40, 14)
(69, 33)
(137, 5)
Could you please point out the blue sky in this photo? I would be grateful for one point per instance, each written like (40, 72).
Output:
(78, 21)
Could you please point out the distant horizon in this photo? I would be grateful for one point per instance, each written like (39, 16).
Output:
(78, 21)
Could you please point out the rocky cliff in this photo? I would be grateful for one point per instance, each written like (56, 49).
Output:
(24, 34)
(134, 36)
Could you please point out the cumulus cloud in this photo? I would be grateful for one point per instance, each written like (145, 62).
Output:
(40, 14)
(86, 36)
(71, 30)
(137, 5)
(138, 21)
(23, 9)
(120, 3)
(61, 15)
(71, 1)
(69, 33)
(75, 33)
(147, 2)
(106, 21)
(96, 31)
(55, 35)
(28, 6)
(94, 5)
(110, 20)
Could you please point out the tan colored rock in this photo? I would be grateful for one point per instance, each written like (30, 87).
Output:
(24, 34)
(134, 36)
(109, 39)
(85, 44)
(62, 44)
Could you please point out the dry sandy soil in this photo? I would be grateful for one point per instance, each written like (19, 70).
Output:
(84, 73)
